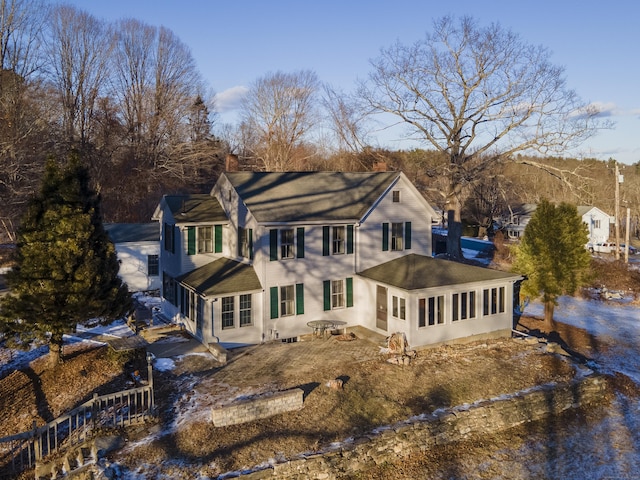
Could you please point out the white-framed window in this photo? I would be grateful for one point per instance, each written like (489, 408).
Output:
(493, 301)
(245, 310)
(153, 265)
(227, 312)
(338, 240)
(463, 306)
(431, 311)
(396, 196)
(287, 300)
(244, 242)
(287, 244)
(205, 239)
(397, 234)
(337, 294)
(398, 307)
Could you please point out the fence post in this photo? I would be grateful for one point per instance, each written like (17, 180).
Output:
(37, 450)
(150, 378)
(95, 407)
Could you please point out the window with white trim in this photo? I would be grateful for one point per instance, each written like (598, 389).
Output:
(339, 240)
(245, 310)
(153, 265)
(287, 245)
(227, 312)
(463, 306)
(398, 307)
(397, 234)
(337, 294)
(205, 239)
(287, 300)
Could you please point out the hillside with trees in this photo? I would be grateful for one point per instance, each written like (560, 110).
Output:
(128, 99)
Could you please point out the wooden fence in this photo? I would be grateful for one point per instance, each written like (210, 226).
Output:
(129, 407)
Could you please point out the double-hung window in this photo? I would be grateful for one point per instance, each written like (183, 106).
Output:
(227, 312)
(338, 293)
(245, 310)
(286, 243)
(287, 300)
(153, 265)
(205, 239)
(396, 235)
(245, 242)
(339, 239)
(397, 231)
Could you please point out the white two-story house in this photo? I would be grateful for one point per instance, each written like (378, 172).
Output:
(266, 253)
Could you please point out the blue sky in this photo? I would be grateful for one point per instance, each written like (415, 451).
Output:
(236, 42)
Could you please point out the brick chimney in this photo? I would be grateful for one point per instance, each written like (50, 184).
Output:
(380, 167)
(231, 163)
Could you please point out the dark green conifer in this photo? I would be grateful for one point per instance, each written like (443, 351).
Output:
(552, 254)
(66, 267)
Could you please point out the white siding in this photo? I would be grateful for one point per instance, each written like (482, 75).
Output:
(134, 265)
(411, 208)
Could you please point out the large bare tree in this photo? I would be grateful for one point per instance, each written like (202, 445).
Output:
(479, 95)
(280, 110)
(156, 83)
(79, 47)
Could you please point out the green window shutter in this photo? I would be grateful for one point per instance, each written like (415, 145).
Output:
(273, 244)
(349, 292)
(191, 240)
(217, 230)
(326, 294)
(300, 242)
(273, 293)
(251, 244)
(299, 298)
(325, 241)
(385, 237)
(407, 235)
(349, 239)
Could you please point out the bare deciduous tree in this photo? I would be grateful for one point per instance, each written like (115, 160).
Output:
(280, 111)
(478, 95)
(79, 50)
(21, 118)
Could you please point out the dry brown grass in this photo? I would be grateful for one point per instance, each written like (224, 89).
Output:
(375, 393)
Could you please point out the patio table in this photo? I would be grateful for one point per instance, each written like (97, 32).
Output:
(321, 326)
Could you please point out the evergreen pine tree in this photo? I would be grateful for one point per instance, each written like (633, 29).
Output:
(552, 254)
(67, 269)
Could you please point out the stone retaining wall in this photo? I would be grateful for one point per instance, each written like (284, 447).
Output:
(254, 409)
(442, 427)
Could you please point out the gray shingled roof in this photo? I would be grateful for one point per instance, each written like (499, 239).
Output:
(222, 277)
(195, 208)
(310, 196)
(133, 232)
(415, 272)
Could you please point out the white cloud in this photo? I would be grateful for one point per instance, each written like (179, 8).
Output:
(230, 99)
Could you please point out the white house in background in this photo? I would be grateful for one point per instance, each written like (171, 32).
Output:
(598, 223)
(138, 249)
(266, 253)
(518, 219)
(596, 220)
